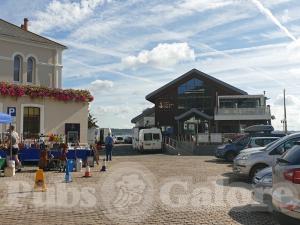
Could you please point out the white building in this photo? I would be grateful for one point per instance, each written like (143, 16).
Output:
(31, 82)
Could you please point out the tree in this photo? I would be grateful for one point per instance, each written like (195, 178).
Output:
(92, 121)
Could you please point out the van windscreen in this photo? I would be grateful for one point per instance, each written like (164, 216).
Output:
(156, 136)
(148, 137)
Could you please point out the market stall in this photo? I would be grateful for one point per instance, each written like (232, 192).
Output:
(33, 154)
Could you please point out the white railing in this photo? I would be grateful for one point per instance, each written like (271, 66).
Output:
(243, 111)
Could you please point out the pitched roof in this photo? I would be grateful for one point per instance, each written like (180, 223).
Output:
(198, 73)
(193, 111)
(146, 112)
(9, 30)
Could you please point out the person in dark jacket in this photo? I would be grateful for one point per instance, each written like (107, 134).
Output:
(109, 143)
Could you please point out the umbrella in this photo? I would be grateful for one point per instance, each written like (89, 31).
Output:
(5, 118)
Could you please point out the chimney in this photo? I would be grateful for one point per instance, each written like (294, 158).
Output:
(25, 25)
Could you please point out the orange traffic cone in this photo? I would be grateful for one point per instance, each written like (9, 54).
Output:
(40, 183)
(87, 171)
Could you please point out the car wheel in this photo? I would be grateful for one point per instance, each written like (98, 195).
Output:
(256, 169)
(230, 156)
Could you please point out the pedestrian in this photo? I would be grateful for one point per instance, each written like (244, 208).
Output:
(63, 158)
(13, 140)
(97, 150)
(109, 143)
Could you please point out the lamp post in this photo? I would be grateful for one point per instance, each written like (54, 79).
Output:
(284, 104)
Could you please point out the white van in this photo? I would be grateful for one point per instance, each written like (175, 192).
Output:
(150, 139)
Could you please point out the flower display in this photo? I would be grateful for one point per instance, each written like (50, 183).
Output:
(14, 90)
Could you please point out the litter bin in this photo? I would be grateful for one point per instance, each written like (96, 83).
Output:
(2, 163)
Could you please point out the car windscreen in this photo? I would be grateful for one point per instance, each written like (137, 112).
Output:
(156, 137)
(292, 156)
(119, 138)
(275, 143)
(148, 137)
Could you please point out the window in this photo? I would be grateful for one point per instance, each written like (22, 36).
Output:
(268, 141)
(17, 68)
(30, 69)
(284, 147)
(148, 137)
(293, 156)
(156, 136)
(192, 86)
(260, 142)
(31, 122)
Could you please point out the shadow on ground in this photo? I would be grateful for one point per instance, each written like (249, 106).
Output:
(250, 215)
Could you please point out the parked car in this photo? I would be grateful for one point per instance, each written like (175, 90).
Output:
(119, 140)
(286, 187)
(231, 150)
(249, 163)
(128, 140)
(261, 141)
(262, 187)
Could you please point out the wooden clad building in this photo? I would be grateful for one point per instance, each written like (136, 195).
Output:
(199, 103)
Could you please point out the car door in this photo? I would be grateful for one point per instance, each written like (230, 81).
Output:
(156, 141)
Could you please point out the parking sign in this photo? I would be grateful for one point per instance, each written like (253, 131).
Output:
(11, 111)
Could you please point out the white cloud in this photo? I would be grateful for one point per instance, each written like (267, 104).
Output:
(289, 99)
(95, 29)
(163, 54)
(285, 17)
(203, 5)
(101, 85)
(63, 15)
(294, 51)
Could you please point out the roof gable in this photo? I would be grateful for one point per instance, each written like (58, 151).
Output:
(198, 74)
(9, 30)
(146, 112)
(193, 111)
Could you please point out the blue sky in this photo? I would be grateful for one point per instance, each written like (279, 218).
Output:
(122, 50)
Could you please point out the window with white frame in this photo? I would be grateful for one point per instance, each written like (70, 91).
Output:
(17, 68)
(30, 70)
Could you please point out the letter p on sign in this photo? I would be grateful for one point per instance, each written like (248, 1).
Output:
(11, 111)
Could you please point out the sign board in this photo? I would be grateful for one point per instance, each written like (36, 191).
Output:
(12, 111)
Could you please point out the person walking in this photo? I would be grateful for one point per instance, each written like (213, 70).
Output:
(13, 139)
(109, 143)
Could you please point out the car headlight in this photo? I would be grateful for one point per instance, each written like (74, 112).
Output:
(267, 179)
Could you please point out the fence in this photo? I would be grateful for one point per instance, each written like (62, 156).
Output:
(208, 138)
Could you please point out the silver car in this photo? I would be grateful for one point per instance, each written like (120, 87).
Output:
(262, 187)
(286, 187)
(248, 163)
(261, 141)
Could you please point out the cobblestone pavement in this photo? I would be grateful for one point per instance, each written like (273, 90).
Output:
(136, 189)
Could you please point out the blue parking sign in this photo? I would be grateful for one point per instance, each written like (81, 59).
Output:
(11, 111)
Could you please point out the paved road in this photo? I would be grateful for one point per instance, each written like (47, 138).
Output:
(136, 189)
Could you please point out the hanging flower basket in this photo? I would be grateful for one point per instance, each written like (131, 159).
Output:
(66, 95)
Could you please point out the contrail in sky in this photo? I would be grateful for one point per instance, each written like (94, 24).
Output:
(270, 15)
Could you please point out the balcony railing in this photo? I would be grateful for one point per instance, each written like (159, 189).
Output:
(243, 111)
